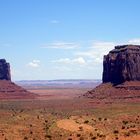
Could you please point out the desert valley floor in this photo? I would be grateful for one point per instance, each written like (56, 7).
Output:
(64, 114)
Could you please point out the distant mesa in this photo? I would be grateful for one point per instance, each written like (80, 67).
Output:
(8, 89)
(121, 75)
(122, 64)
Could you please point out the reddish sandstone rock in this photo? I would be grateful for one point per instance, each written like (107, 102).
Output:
(122, 64)
(121, 76)
(8, 89)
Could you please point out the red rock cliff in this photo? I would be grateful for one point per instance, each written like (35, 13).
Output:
(122, 64)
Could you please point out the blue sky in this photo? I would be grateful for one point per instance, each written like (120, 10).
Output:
(64, 39)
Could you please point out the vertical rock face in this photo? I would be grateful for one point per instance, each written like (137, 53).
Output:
(4, 70)
(122, 64)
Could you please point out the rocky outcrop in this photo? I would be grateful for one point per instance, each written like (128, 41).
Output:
(4, 70)
(8, 89)
(122, 64)
(121, 76)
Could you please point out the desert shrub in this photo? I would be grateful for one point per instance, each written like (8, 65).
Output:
(99, 119)
(48, 136)
(91, 134)
(46, 121)
(125, 122)
(31, 125)
(101, 136)
(93, 138)
(127, 134)
(21, 111)
(25, 138)
(78, 135)
(116, 132)
(105, 119)
(133, 126)
(127, 127)
(123, 127)
(133, 131)
(87, 121)
(81, 128)
(31, 132)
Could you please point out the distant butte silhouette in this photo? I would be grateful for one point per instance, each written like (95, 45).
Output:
(122, 64)
(8, 89)
(4, 70)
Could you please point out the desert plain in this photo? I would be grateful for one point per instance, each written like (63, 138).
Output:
(63, 113)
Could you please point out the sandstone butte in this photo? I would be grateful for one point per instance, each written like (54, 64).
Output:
(122, 64)
(8, 89)
(121, 75)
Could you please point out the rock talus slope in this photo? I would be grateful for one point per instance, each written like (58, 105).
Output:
(8, 89)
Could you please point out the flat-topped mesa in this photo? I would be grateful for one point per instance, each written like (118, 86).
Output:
(5, 70)
(122, 64)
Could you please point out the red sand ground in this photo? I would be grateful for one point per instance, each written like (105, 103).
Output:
(52, 112)
(9, 90)
(126, 92)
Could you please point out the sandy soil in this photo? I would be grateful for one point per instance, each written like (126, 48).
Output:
(63, 114)
(72, 126)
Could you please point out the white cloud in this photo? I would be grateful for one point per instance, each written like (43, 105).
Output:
(79, 60)
(61, 45)
(62, 60)
(135, 41)
(34, 64)
(97, 51)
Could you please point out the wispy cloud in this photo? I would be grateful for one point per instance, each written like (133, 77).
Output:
(34, 64)
(54, 21)
(61, 45)
(135, 41)
(79, 61)
(5, 45)
(97, 51)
